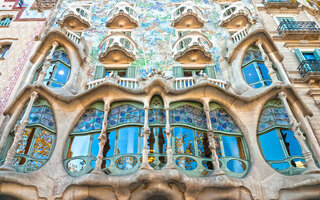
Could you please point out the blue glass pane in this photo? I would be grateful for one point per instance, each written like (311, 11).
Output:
(250, 74)
(309, 56)
(128, 140)
(108, 148)
(186, 163)
(258, 85)
(91, 120)
(79, 146)
(291, 143)
(188, 115)
(232, 146)
(264, 71)
(184, 142)
(222, 121)
(271, 146)
(280, 166)
(55, 85)
(61, 73)
(95, 145)
(236, 166)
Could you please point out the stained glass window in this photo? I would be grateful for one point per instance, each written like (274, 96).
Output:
(58, 72)
(231, 147)
(277, 143)
(157, 114)
(254, 71)
(189, 115)
(37, 141)
(83, 145)
(125, 114)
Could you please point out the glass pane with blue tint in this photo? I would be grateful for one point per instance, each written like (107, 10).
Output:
(250, 74)
(47, 118)
(309, 56)
(233, 147)
(184, 141)
(95, 145)
(91, 120)
(271, 146)
(61, 73)
(49, 72)
(43, 144)
(186, 163)
(264, 71)
(78, 146)
(108, 148)
(280, 166)
(128, 140)
(292, 145)
(188, 115)
(150, 141)
(258, 85)
(236, 166)
(266, 119)
(55, 85)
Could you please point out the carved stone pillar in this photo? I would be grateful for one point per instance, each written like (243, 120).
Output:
(18, 134)
(212, 142)
(102, 139)
(268, 63)
(145, 134)
(295, 128)
(170, 164)
(47, 63)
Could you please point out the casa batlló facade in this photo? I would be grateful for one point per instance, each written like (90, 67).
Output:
(159, 100)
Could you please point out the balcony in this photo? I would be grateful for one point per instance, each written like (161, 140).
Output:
(236, 16)
(123, 16)
(176, 83)
(309, 69)
(188, 15)
(75, 18)
(280, 4)
(193, 48)
(117, 48)
(299, 30)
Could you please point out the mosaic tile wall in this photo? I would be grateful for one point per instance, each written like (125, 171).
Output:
(155, 35)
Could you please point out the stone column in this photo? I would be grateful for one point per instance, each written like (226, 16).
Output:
(145, 134)
(268, 63)
(170, 164)
(47, 63)
(212, 142)
(18, 134)
(295, 128)
(102, 139)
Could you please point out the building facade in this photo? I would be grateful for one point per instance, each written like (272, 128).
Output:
(159, 100)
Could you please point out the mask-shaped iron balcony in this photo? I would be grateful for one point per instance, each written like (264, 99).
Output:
(123, 16)
(75, 18)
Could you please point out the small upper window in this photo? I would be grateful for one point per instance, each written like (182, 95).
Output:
(3, 50)
(5, 21)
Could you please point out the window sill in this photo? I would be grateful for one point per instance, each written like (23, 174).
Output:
(4, 26)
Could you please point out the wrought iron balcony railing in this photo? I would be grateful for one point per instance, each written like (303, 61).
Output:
(297, 26)
(309, 66)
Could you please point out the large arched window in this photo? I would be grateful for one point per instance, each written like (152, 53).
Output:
(191, 151)
(38, 140)
(232, 152)
(83, 146)
(58, 72)
(254, 71)
(121, 152)
(157, 141)
(277, 143)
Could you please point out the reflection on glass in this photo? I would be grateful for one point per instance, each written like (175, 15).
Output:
(183, 141)
(233, 147)
(186, 163)
(203, 144)
(271, 146)
(280, 166)
(236, 166)
(292, 145)
(76, 165)
(108, 148)
(162, 141)
(78, 146)
(250, 74)
(126, 162)
(299, 163)
(128, 140)
(95, 145)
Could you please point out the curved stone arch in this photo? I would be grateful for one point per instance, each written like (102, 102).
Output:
(74, 52)
(228, 131)
(18, 191)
